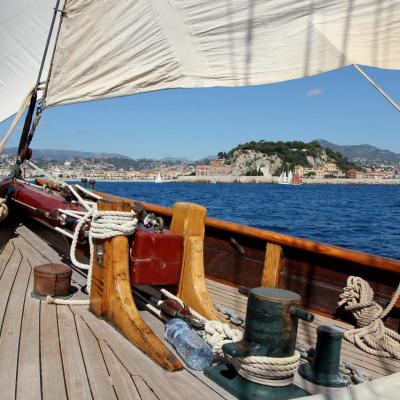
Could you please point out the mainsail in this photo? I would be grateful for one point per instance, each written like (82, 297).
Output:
(110, 48)
(24, 25)
(115, 48)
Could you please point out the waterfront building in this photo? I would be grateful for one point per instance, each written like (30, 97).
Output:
(215, 168)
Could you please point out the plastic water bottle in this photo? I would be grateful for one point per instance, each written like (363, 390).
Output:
(196, 353)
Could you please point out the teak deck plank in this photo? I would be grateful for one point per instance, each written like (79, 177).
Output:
(53, 384)
(74, 367)
(143, 388)
(373, 365)
(10, 332)
(60, 352)
(29, 354)
(6, 253)
(37, 248)
(123, 384)
(99, 380)
(158, 328)
(165, 385)
(7, 280)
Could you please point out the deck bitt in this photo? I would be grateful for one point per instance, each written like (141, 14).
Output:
(272, 266)
(111, 296)
(189, 220)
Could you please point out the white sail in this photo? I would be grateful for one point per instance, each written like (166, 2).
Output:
(158, 179)
(290, 176)
(24, 25)
(111, 48)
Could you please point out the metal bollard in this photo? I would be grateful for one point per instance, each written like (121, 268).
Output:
(324, 368)
(271, 324)
(91, 183)
(270, 330)
(84, 182)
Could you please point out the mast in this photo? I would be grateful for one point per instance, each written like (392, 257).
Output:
(28, 130)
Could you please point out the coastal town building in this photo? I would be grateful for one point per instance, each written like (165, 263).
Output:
(329, 169)
(215, 168)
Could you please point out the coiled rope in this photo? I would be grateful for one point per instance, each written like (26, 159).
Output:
(372, 336)
(104, 225)
(270, 371)
(3, 209)
(263, 370)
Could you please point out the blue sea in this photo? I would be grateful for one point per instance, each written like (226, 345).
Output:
(360, 217)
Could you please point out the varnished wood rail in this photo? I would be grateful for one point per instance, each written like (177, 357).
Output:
(306, 259)
(388, 264)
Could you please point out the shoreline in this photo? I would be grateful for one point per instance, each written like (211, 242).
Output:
(275, 180)
(259, 180)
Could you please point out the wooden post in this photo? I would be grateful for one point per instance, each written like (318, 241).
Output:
(272, 266)
(189, 220)
(111, 295)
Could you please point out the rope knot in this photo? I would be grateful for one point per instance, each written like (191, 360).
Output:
(104, 225)
(371, 335)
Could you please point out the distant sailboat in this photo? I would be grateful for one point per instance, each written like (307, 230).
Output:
(284, 179)
(288, 178)
(296, 180)
(158, 178)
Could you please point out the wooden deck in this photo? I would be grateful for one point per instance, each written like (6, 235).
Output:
(61, 352)
(374, 366)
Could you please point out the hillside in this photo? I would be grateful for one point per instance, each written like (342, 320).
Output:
(249, 157)
(363, 152)
(62, 155)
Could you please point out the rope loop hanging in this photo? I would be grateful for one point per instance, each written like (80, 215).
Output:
(371, 335)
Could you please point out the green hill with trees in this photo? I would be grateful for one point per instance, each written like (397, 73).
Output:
(293, 153)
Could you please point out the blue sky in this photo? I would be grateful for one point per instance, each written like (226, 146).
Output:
(339, 106)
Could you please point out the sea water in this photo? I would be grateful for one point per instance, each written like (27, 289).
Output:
(359, 217)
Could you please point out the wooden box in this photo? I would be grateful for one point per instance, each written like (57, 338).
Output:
(156, 257)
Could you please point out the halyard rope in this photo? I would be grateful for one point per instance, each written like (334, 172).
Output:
(371, 335)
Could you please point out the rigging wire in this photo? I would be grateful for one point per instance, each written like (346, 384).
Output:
(377, 87)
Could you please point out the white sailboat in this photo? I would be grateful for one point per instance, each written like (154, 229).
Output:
(284, 178)
(158, 178)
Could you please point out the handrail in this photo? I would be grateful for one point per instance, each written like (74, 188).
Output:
(383, 263)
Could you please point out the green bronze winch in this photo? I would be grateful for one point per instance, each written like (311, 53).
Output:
(271, 324)
(270, 340)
